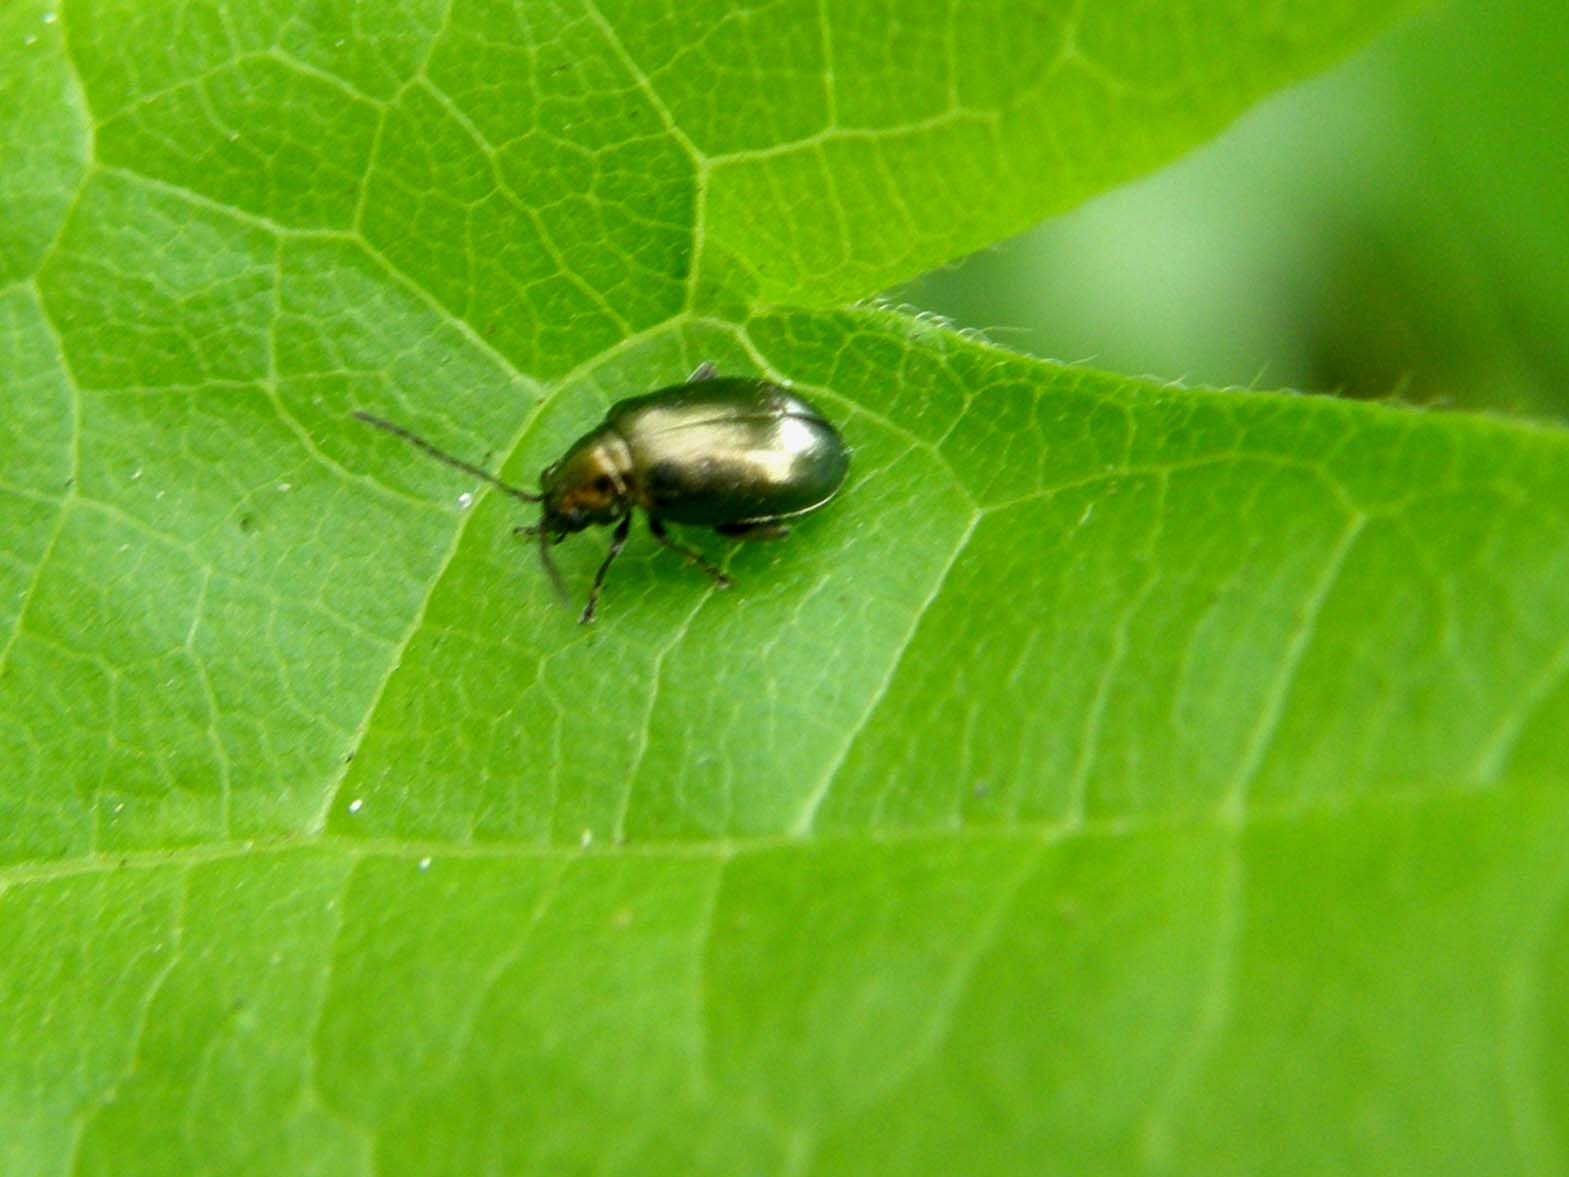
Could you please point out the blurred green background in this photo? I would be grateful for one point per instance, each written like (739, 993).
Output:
(1398, 227)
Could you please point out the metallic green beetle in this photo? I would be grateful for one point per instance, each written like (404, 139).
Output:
(738, 455)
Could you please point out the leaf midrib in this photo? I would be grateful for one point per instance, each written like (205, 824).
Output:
(1028, 834)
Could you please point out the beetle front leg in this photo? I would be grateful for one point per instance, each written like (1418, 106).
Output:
(687, 554)
(617, 542)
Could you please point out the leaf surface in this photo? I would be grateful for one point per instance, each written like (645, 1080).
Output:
(1115, 776)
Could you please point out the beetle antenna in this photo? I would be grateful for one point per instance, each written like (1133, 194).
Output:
(538, 531)
(550, 566)
(442, 456)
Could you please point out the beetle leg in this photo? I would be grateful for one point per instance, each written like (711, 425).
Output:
(687, 554)
(617, 542)
(754, 530)
(704, 371)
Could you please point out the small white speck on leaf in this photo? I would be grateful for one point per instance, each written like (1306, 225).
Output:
(586, 839)
(465, 501)
(356, 805)
(50, 17)
(284, 488)
(424, 863)
(135, 474)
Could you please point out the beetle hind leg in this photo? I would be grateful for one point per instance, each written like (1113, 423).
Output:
(689, 555)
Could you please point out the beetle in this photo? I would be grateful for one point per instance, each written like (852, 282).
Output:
(737, 454)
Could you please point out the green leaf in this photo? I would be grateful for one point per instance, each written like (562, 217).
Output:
(1116, 776)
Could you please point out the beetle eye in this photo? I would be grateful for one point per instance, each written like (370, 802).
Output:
(603, 484)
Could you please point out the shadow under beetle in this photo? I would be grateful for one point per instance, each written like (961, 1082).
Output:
(736, 454)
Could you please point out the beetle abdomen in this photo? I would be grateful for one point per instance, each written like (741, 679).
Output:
(729, 451)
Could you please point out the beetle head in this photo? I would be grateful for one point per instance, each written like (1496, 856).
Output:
(587, 487)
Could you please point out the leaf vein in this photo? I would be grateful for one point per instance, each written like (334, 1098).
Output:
(813, 800)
